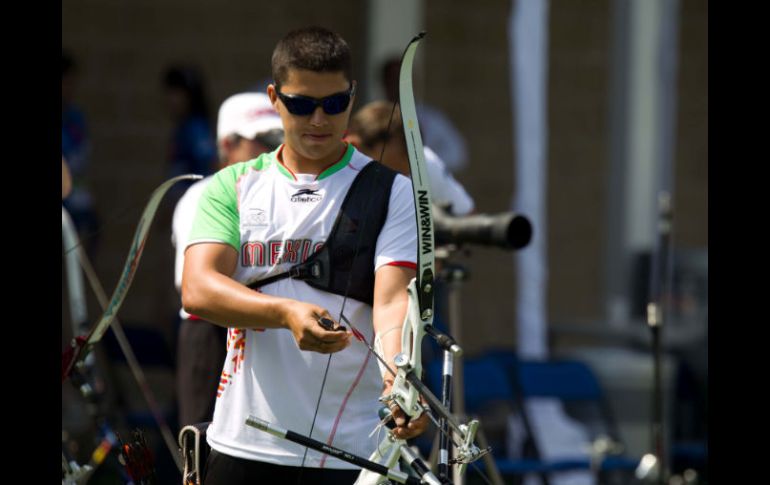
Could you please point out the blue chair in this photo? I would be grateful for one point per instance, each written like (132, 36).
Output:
(488, 395)
(576, 386)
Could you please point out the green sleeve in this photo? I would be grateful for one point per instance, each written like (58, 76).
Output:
(217, 217)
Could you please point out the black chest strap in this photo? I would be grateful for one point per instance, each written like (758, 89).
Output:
(345, 263)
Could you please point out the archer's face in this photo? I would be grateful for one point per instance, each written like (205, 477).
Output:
(315, 138)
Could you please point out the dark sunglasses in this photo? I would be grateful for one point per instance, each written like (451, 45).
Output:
(333, 104)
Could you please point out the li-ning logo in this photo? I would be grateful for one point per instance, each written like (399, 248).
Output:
(307, 195)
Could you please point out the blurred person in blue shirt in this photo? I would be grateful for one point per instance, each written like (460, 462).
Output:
(192, 148)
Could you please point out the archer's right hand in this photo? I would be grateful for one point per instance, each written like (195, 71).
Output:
(303, 321)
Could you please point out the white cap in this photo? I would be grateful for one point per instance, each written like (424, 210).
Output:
(247, 115)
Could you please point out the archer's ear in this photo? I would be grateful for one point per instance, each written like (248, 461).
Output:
(271, 92)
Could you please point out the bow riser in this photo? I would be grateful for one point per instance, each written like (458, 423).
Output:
(410, 358)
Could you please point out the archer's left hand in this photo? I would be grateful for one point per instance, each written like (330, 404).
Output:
(405, 430)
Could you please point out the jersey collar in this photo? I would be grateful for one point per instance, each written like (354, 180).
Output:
(326, 172)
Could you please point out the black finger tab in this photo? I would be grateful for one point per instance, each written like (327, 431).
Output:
(326, 323)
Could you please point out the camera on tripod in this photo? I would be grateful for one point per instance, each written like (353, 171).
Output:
(506, 230)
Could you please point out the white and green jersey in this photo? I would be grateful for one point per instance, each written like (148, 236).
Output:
(275, 219)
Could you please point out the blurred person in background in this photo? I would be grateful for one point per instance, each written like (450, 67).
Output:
(373, 127)
(247, 127)
(437, 130)
(192, 149)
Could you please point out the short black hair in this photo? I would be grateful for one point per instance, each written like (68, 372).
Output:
(313, 49)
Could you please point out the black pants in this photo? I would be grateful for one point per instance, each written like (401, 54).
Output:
(201, 352)
(224, 469)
